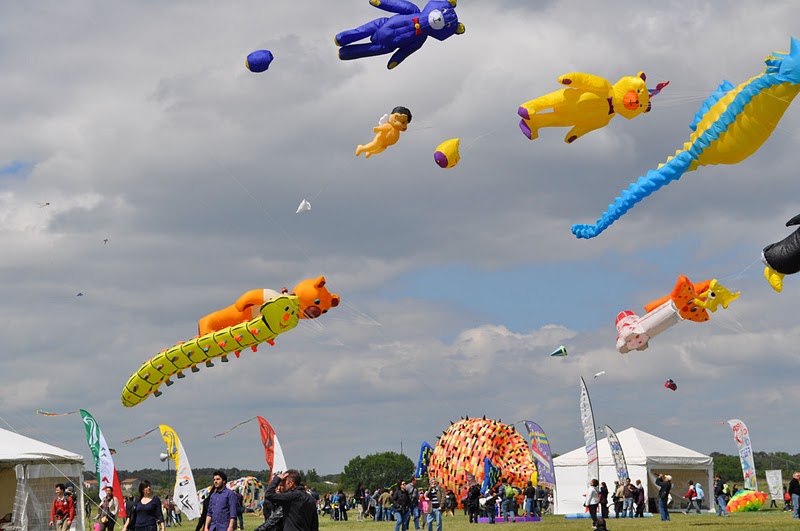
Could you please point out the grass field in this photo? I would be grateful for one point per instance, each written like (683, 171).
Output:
(766, 520)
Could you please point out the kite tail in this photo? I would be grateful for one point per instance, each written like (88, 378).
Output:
(672, 170)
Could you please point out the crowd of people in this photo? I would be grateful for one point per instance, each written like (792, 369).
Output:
(290, 506)
(503, 500)
(402, 503)
(629, 499)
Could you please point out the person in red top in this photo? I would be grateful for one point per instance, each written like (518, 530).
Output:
(690, 495)
(63, 512)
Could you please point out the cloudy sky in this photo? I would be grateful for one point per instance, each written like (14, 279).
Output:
(138, 123)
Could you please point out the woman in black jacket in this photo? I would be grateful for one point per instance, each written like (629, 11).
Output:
(402, 506)
(603, 500)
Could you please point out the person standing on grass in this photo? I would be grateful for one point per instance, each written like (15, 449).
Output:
(699, 495)
(592, 500)
(640, 499)
(628, 495)
(146, 515)
(664, 484)
(472, 503)
(719, 496)
(617, 497)
(529, 504)
(108, 511)
(603, 495)
(794, 491)
(436, 497)
(299, 507)
(222, 505)
(402, 507)
(62, 513)
(413, 496)
(541, 500)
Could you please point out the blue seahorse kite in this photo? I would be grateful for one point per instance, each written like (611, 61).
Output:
(730, 126)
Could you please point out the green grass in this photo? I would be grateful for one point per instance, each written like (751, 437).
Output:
(766, 520)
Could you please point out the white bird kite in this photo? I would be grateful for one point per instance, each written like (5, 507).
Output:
(599, 374)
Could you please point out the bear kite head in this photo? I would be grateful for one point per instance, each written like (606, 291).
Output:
(314, 298)
(630, 96)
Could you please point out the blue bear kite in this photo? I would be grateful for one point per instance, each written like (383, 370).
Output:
(405, 32)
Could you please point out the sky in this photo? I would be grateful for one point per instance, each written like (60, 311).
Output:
(139, 123)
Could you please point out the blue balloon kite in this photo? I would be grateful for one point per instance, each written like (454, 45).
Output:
(258, 61)
(405, 32)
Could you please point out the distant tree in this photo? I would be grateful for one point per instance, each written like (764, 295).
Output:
(728, 467)
(376, 470)
(311, 476)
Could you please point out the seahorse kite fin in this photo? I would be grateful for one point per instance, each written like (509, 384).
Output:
(730, 126)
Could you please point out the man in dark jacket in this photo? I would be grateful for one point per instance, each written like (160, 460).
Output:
(794, 492)
(472, 503)
(664, 483)
(299, 508)
(719, 496)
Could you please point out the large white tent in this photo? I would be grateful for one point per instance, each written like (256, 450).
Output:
(646, 456)
(29, 472)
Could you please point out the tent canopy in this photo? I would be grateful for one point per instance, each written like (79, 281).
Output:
(645, 456)
(640, 448)
(17, 449)
(29, 471)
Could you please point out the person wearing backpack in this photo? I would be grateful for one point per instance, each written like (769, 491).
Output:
(719, 496)
(62, 512)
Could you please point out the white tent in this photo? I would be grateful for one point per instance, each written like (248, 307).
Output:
(646, 456)
(29, 472)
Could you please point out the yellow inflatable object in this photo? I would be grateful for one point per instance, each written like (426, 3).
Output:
(716, 295)
(446, 154)
(589, 103)
(388, 133)
(774, 278)
(276, 316)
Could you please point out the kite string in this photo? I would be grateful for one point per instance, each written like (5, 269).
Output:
(339, 172)
(264, 209)
(475, 140)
